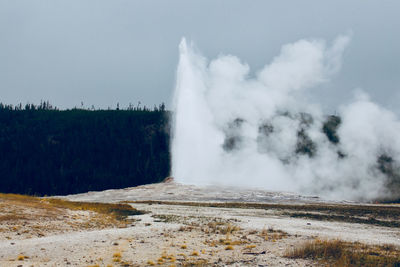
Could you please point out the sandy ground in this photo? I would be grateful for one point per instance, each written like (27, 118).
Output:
(179, 235)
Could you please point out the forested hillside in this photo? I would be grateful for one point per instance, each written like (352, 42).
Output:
(46, 151)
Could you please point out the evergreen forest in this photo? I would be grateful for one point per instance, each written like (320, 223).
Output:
(47, 151)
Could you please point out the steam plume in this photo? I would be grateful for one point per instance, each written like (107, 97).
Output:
(233, 129)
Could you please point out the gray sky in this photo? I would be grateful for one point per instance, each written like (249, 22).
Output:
(103, 52)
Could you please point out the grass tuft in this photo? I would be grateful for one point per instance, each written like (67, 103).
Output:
(117, 255)
(340, 253)
(195, 253)
(21, 257)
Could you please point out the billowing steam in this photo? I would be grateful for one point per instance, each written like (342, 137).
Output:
(234, 129)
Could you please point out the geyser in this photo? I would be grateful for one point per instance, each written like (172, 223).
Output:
(233, 129)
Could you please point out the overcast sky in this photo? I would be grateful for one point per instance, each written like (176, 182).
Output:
(103, 52)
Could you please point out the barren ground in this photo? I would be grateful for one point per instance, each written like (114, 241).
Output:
(187, 226)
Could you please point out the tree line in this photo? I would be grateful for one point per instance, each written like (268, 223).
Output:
(47, 151)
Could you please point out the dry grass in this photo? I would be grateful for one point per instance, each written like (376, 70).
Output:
(219, 227)
(22, 198)
(151, 263)
(117, 255)
(195, 253)
(164, 259)
(207, 242)
(14, 202)
(119, 211)
(340, 253)
(270, 234)
(27, 216)
(21, 257)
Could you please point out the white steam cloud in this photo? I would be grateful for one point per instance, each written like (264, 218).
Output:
(234, 129)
